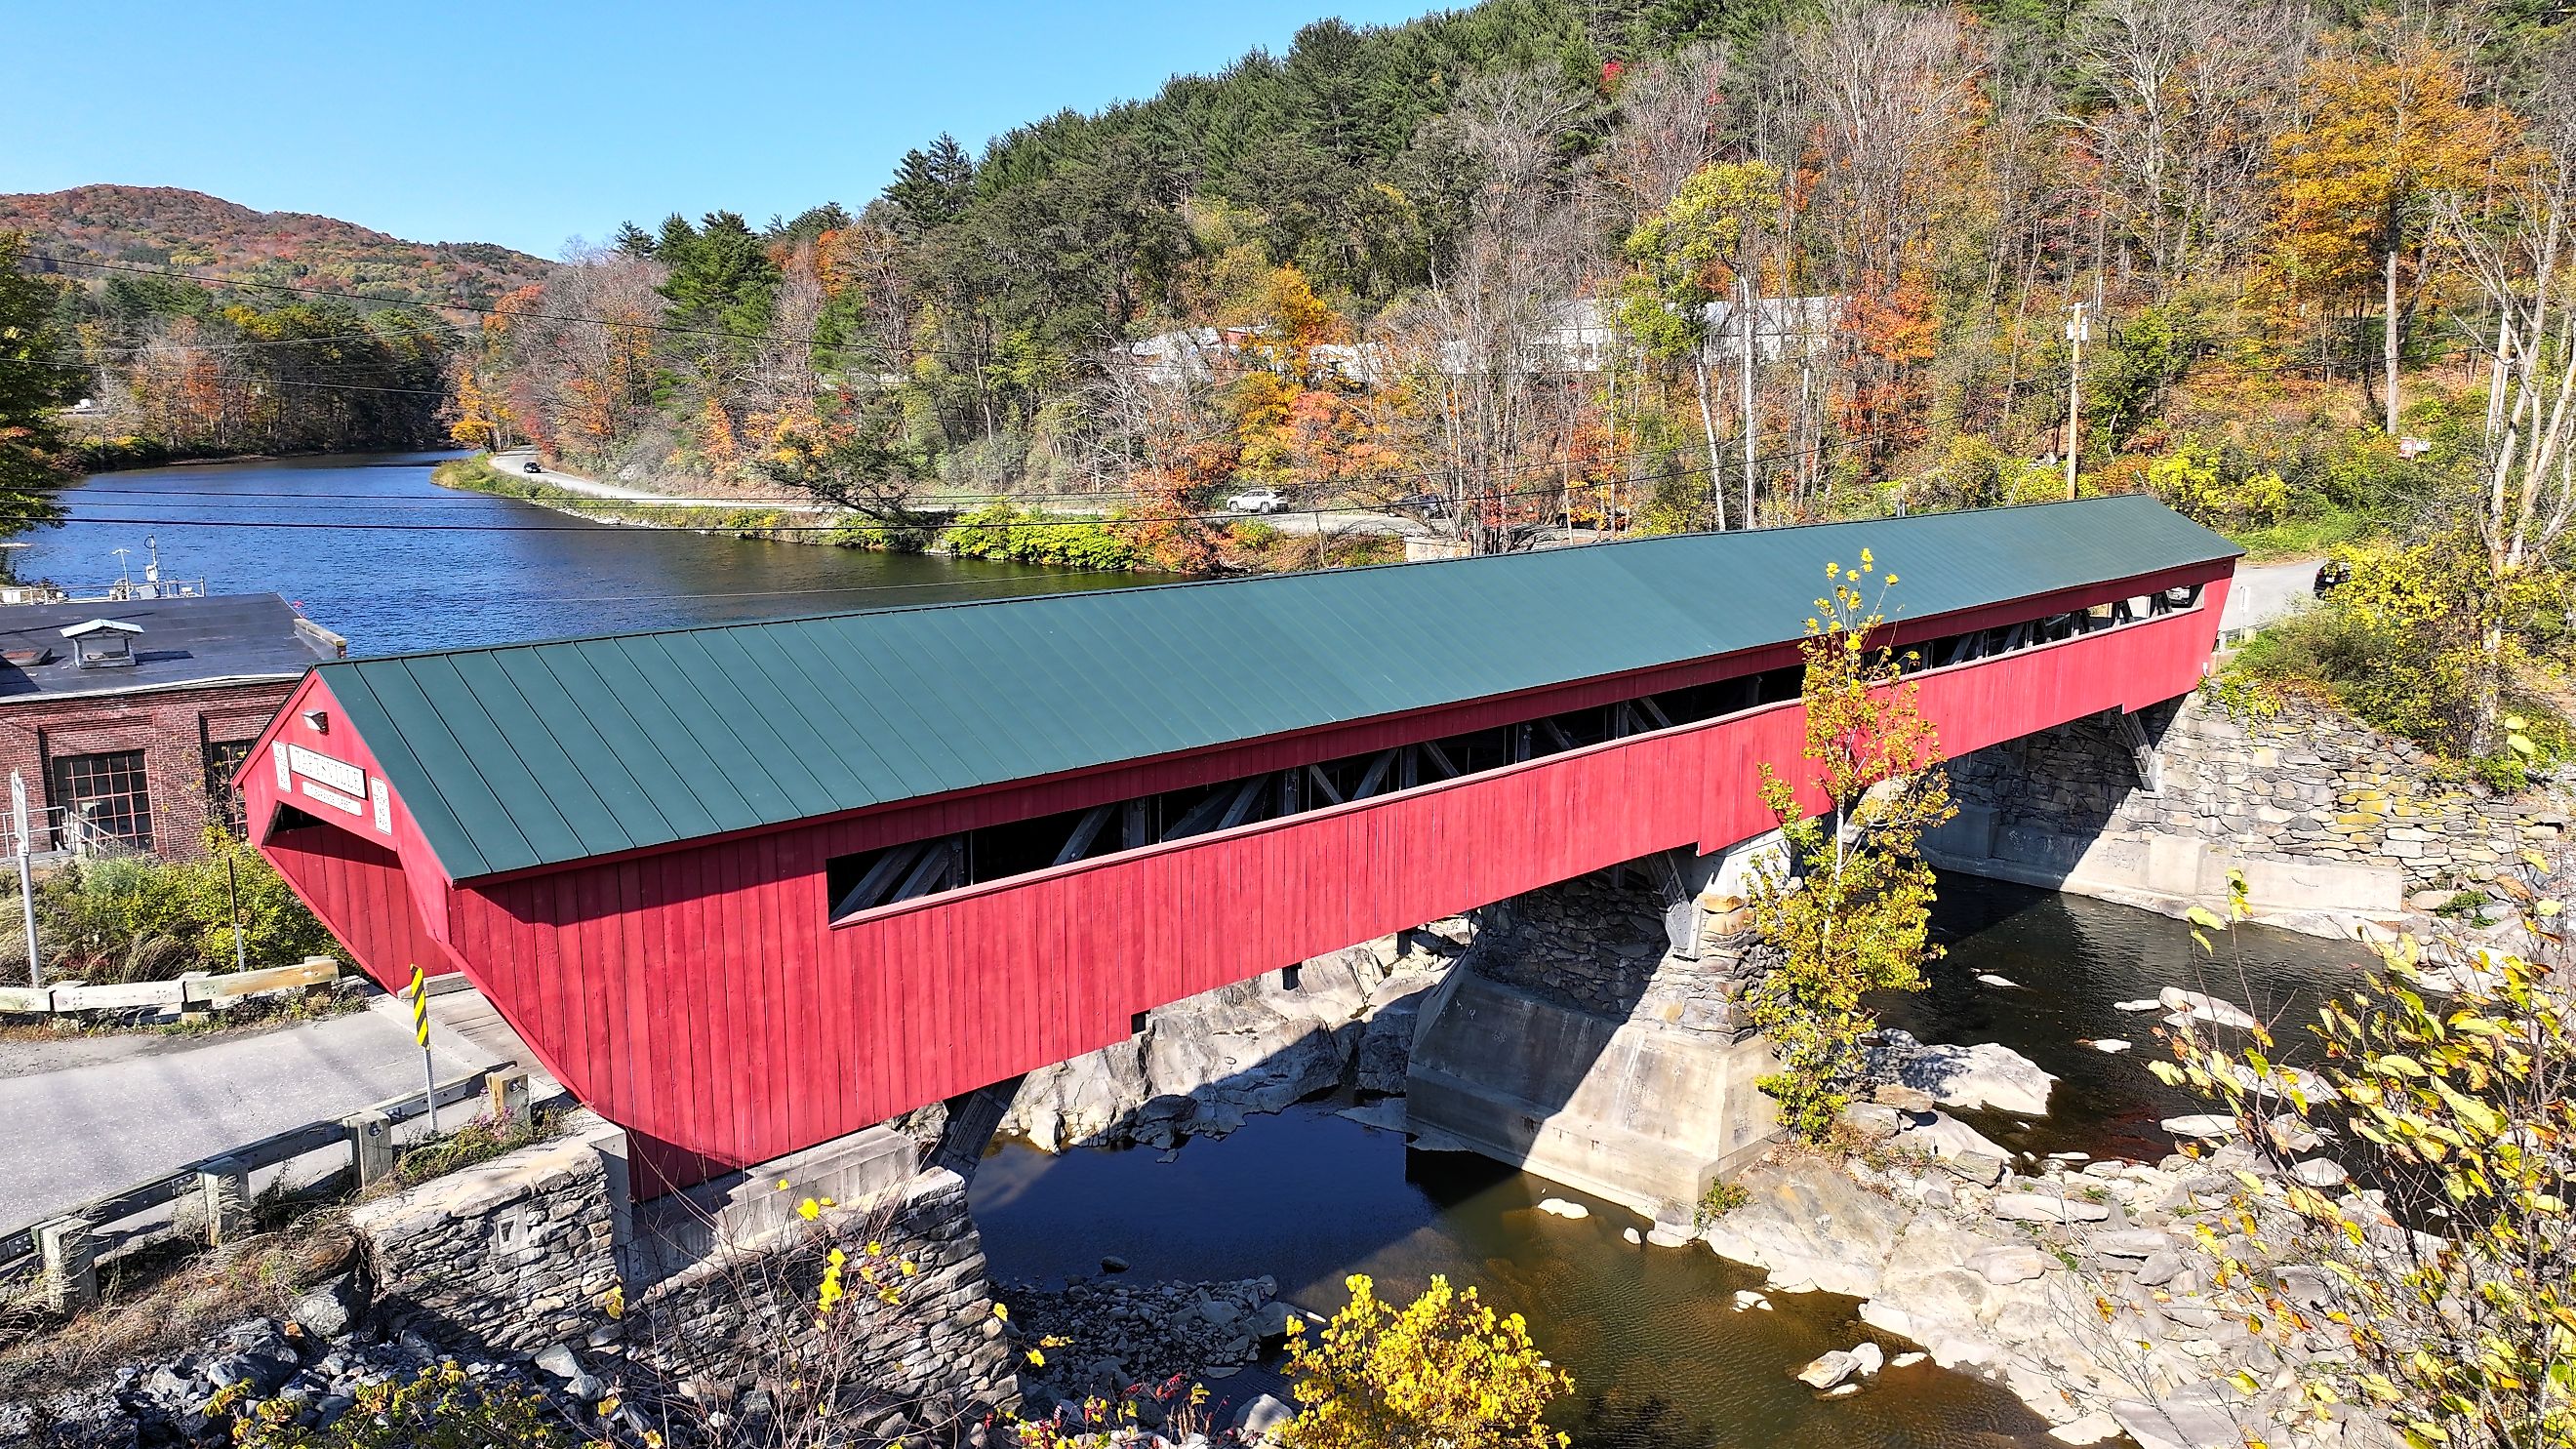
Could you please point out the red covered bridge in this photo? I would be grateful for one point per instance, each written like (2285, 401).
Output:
(749, 888)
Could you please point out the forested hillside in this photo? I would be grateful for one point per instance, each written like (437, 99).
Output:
(305, 334)
(165, 227)
(1429, 205)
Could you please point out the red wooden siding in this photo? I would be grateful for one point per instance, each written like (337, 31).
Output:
(699, 996)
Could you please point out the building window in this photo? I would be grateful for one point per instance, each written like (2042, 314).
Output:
(224, 803)
(102, 801)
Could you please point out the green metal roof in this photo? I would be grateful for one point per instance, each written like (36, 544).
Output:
(537, 754)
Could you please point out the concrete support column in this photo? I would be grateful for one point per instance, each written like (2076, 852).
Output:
(506, 1091)
(371, 1146)
(70, 1264)
(224, 1186)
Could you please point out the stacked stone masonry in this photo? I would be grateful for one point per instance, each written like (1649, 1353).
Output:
(516, 1259)
(915, 1322)
(2305, 786)
(506, 1258)
(1601, 944)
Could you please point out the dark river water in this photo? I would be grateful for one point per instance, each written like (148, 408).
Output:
(372, 549)
(1659, 1358)
(377, 553)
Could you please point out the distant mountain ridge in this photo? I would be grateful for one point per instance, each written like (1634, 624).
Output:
(166, 226)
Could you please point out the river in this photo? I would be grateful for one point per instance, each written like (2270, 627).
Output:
(1659, 1358)
(371, 549)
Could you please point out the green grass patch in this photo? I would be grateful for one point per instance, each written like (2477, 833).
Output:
(477, 1141)
(477, 475)
(2309, 536)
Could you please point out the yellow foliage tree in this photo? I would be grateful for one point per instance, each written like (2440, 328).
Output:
(1443, 1372)
(2390, 124)
(2444, 1301)
(482, 420)
(1848, 899)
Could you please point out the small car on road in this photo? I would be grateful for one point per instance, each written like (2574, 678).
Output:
(533, 466)
(1256, 500)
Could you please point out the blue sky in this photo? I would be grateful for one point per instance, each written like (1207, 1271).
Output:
(528, 123)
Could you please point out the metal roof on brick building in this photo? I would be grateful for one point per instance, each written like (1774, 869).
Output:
(541, 754)
(177, 643)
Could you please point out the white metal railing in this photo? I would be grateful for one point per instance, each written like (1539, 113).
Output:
(58, 830)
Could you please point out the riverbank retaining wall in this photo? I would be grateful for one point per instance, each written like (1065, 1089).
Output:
(520, 1258)
(2332, 823)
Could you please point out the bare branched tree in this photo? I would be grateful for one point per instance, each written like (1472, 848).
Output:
(1486, 403)
(1670, 114)
(2194, 91)
(2519, 241)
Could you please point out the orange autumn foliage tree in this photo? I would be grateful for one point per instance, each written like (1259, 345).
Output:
(2390, 125)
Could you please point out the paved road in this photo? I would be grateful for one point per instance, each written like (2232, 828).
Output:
(87, 1131)
(515, 463)
(1337, 521)
(2265, 592)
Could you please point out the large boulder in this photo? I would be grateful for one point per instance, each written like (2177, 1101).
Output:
(1082, 1099)
(1985, 1075)
(1931, 1292)
(1955, 1145)
(1809, 1224)
(1258, 1419)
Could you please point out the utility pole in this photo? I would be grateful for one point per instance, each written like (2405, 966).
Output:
(232, 895)
(26, 877)
(2076, 335)
(1745, 341)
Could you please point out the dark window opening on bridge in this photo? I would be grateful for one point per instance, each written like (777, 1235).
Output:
(290, 818)
(883, 877)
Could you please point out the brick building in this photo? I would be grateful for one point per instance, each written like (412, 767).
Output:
(128, 719)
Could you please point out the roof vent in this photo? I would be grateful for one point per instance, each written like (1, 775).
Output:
(103, 643)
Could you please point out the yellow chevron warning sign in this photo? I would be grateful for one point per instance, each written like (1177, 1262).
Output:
(420, 1006)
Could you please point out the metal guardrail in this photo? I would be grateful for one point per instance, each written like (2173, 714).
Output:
(197, 989)
(62, 1248)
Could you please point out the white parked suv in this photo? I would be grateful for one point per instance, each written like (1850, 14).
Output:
(1257, 500)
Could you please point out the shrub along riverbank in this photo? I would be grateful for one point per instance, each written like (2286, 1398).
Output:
(996, 531)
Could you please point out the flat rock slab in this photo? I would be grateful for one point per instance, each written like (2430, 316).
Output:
(2138, 1244)
(2037, 1207)
(2209, 1125)
(1828, 1369)
(1807, 1222)
(1955, 1144)
(2200, 1006)
(2191, 1417)
(1984, 1075)
(2013, 1263)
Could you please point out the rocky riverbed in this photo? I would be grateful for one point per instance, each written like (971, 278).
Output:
(1115, 1350)
(2078, 1284)
(1202, 1065)
(316, 1360)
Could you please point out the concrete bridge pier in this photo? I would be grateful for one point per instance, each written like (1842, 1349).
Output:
(1594, 1036)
